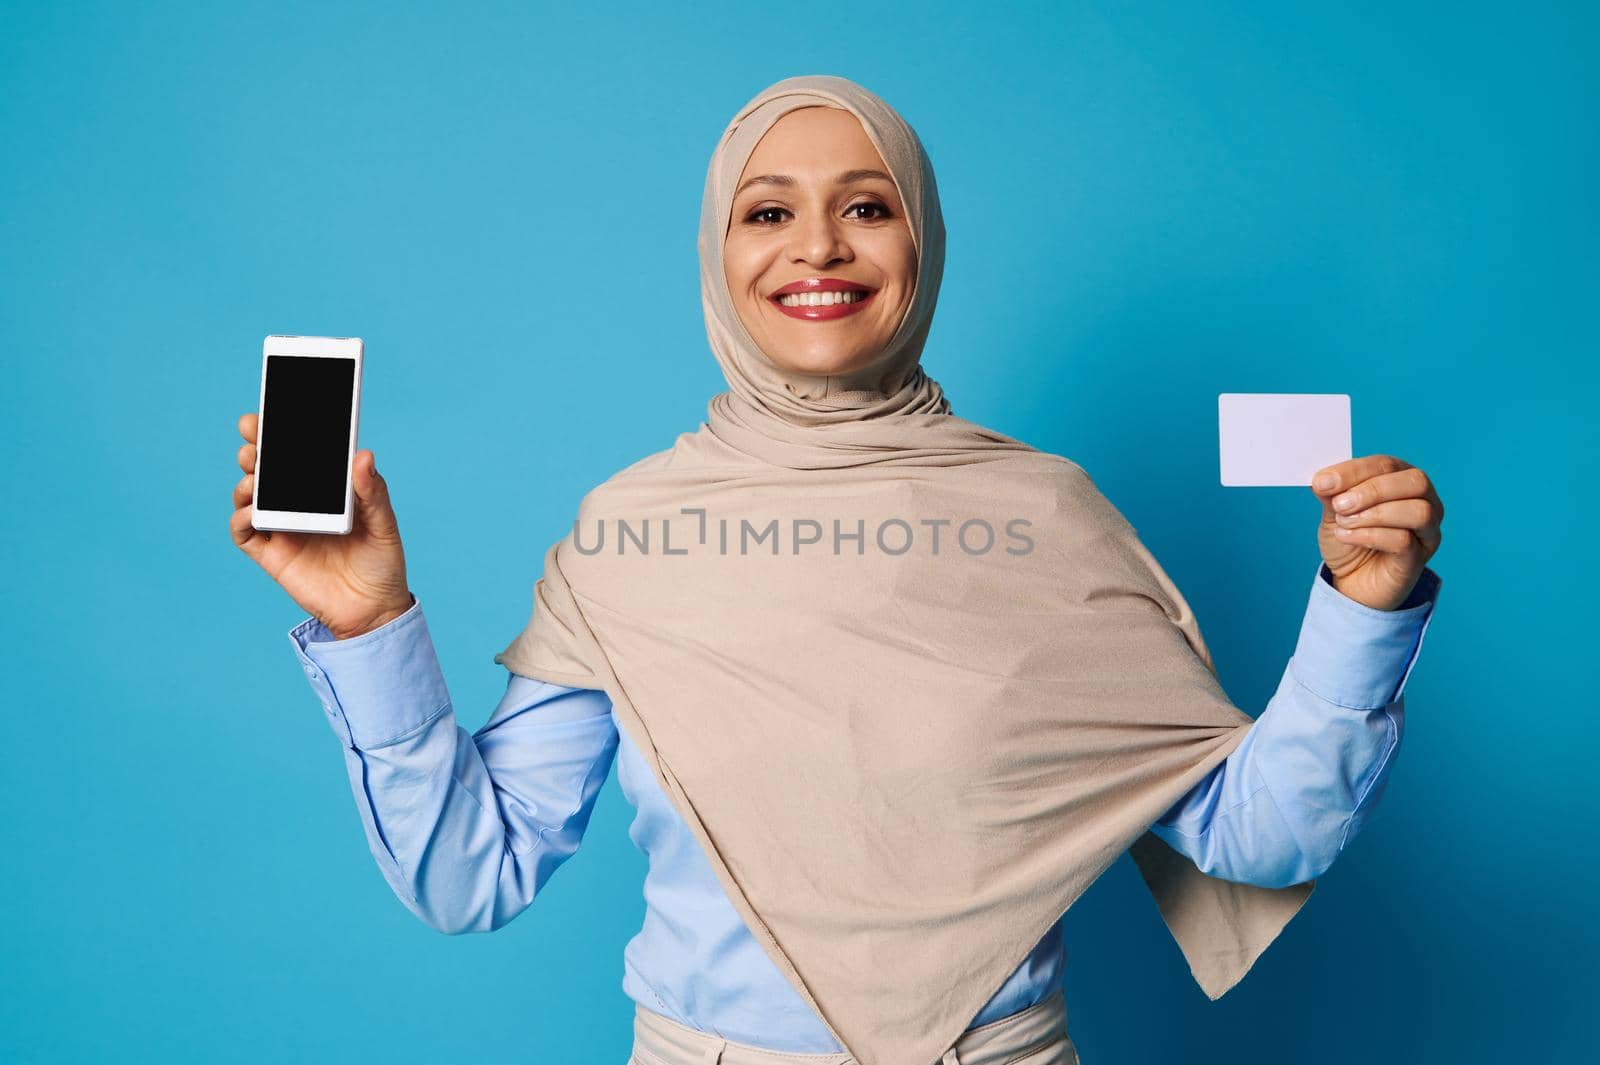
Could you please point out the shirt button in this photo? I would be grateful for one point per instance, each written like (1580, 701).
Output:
(311, 672)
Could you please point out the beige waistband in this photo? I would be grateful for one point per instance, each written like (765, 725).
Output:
(1033, 1036)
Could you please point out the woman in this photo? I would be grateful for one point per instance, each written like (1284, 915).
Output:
(854, 825)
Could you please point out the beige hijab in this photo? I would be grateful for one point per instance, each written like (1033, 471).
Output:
(905, 757)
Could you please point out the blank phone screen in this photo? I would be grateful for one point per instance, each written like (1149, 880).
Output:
(305, 434)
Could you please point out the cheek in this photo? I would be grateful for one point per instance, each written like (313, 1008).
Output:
(897, 259)
(742, 263)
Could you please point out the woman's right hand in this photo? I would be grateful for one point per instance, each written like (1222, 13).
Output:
(352, 583)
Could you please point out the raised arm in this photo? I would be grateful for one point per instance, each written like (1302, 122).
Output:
(1301, 784)
(467, 828)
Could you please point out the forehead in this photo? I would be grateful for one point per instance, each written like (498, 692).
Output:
(813, 143)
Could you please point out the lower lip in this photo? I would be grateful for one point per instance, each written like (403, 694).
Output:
(825, 314)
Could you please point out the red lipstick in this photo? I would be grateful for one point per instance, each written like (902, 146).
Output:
(859, 297)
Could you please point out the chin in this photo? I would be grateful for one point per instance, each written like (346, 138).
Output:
(824, 362)
(825, 358)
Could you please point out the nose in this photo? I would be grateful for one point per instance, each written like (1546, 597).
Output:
(818, 239)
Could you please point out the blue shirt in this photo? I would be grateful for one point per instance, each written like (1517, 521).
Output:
(468, 828)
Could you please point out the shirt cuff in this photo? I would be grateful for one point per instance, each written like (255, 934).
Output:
(378, 687)
(1355, 655)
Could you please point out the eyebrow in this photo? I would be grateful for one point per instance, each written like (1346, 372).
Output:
(785, 180)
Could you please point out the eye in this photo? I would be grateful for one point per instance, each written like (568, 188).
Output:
(871, 205)
(758, 217)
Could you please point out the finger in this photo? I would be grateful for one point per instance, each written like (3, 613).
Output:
(1341, 475)
(1396, 513)
(247, 426)
(1420, 517)
(1385, 539)
(247, 458)
(244, 491)
(247, 537)
(1409, 483)
(372, 495)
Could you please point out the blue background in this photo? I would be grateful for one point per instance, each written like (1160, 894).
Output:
(1147, 205)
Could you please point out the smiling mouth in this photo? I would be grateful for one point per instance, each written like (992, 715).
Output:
(821, 299)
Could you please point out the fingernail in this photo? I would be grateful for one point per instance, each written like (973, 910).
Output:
(1344, 502)
(1326, 481)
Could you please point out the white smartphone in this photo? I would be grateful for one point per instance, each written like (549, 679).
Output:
(306, 434)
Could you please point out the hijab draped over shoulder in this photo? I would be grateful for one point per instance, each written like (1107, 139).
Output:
(912, 684)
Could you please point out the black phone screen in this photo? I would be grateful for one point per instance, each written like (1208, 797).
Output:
(305, 434)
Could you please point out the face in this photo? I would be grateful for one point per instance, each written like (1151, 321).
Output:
(819, 256)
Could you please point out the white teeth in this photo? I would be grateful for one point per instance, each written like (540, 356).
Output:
(820, 299)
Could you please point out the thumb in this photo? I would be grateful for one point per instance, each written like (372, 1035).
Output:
(372, 495)
(1328, 513)
(1325, 497)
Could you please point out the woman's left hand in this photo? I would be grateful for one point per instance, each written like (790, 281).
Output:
(1380, 525)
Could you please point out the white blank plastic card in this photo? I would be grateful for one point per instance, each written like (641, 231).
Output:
(1280, 438)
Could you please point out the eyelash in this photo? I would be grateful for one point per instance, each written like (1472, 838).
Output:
(750, 219)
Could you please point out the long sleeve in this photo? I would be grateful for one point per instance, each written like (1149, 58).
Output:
(1301, 784)
(466, 828)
